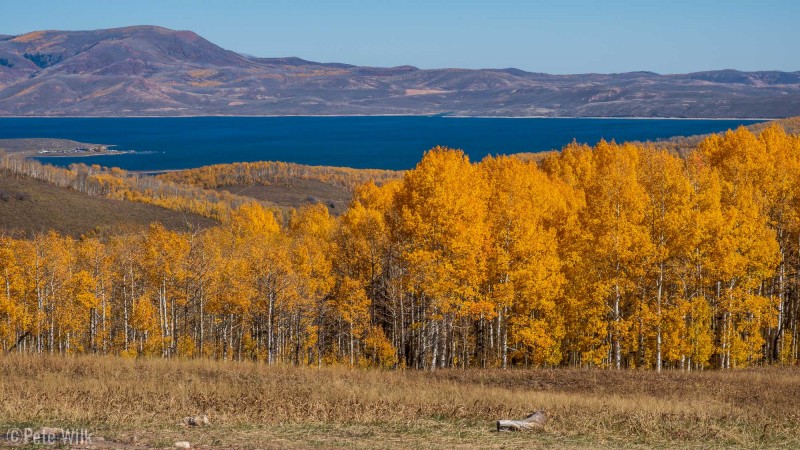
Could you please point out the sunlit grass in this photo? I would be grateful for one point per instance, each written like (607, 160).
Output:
(253, 405)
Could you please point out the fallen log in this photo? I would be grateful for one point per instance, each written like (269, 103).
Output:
(532, 422)
(195, 421)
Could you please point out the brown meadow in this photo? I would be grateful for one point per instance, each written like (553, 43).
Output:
(140, 403)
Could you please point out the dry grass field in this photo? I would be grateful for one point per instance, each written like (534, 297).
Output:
(140, 404)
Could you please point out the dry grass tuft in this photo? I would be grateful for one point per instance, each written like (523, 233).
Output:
(252, 405)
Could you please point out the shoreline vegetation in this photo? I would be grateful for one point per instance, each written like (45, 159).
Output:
(51, 147)
(617, 255)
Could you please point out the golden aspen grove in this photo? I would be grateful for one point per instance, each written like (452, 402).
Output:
(616, 255)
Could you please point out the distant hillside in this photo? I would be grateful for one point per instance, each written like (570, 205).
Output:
(29, 206)
(34, 145)
(684, 144)
(153, 71)
(283, 185)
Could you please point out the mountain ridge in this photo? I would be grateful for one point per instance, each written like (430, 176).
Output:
(154, 71)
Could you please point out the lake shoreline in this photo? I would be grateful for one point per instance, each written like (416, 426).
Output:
(77, 155)
(187, 116)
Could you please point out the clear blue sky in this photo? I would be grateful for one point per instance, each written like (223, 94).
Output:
(566, 36)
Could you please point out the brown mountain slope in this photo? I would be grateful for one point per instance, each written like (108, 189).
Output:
(684, 144)
(148, 70)
(29, 206)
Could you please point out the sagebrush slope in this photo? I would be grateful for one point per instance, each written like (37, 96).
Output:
(147, 70)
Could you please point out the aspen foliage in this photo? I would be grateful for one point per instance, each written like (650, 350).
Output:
(613, 255)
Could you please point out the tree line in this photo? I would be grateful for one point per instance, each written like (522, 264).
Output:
(119, 184)
(616, 255)
(275, 172)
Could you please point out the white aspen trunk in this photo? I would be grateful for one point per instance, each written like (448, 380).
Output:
(444, 342)
(162, 315)
(201, 325)
(445, 356)
(352, 346)
(781, 299)
(658, 325)
(52, 334)
(173, 327)
(270, 330)
(616, 345)
(434, 344)
(241, 341)
(105, 330)
(91, 330)
(727, 344)
(230, 333)
(39, 307)
(125, 318)
(401, 348)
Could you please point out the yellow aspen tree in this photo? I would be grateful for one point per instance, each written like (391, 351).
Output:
(94, 260)
(14, 316)
(351, 304)
(617, 243)
(378, 350)
(311, 230)
(687, 333)
(144, 322)
(164, 261)
(698, 294)
(524, 275)
(83, 302)
(779, 186)
(230, 291)
(368, 251)
(53, 261)
(441, 210)
(266, 249)
(128, 286)
(361, 246)
(746, 251)
(667, 214)
(584, 312)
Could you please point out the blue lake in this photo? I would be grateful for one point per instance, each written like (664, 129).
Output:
(363, 142)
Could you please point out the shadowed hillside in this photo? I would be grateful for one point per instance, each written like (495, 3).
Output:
(29, 206)
(296, 193)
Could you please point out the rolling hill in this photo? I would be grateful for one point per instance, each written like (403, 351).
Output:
(29, 206)
(153, 71)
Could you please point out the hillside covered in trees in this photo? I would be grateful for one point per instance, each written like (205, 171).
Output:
(29, 206)
(617, 255)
